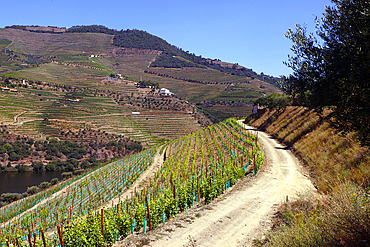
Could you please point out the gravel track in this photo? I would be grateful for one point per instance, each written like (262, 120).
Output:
(244, 212)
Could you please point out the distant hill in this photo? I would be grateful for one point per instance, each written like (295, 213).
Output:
(87, 54)
(171, 55)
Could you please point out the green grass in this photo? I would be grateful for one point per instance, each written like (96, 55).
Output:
(5, 42)
(60, 74)
(200, 74)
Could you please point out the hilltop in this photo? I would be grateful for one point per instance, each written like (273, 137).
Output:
(219, 89)
(88, 82)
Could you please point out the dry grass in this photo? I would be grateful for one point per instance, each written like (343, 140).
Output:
(329, 156)
(342, 220)
(47, 44)
(339, 167)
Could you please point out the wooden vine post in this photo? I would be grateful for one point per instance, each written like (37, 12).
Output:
(43, 237)
(60, 236)
(255, 165)
(16, 241)
(148, 211)
(34, 238)
(29, 237)
(102, 222)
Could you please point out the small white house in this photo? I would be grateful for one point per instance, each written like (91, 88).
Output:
(165, 92)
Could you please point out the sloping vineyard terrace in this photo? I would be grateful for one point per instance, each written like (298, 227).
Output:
(196, 168)
(88, 193)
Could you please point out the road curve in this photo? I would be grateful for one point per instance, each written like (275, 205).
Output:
(235, 220)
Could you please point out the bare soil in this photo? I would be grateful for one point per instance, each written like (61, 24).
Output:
(243, 213)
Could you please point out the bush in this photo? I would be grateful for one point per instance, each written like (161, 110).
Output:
(50, 167)
(22, 168)
(10, 197)
(32, 190)
(54, 181)
(66, 175)
(44, 185)
(85, 164)
(77, 172)
(38, 166)
(14, 157)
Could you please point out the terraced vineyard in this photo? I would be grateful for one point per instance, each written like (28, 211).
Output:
(147, 127)
(89, 192)
(198, 166)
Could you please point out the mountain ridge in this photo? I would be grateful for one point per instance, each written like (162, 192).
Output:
(143, 40)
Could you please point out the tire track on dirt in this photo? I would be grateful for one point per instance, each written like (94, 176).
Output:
(236, 219)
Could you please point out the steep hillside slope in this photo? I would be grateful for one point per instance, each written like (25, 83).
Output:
(328, 155)
(213, 85)
(340, 169)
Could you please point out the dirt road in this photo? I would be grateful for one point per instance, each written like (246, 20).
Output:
(244, 211)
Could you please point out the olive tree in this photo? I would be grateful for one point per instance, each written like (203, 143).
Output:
(331, 68)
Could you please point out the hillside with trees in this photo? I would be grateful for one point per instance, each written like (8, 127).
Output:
(331, 68)
(91, 54)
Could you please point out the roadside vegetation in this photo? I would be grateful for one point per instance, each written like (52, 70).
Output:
(339, 167)
(331, 133)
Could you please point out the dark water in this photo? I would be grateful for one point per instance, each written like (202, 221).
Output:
(20, 181)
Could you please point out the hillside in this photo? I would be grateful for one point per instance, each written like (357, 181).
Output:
(197, 167)
(213, 85)
(339, 169)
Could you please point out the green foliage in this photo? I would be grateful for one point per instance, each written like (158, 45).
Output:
(123, 223)
(50, 167)
(147, 83)
(139, 215)
(22, 168)
(141, 40)
(44, 185)
(5, 42)
(168, 60)
(273, 101)
(33, 190)
(10, 197)
(66, 175)
(170, 207)
(38, 166)
(86, 232)
(54, 181)
(91, 29)
(335, 71)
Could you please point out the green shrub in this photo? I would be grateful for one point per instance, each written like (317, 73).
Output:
(32, 190)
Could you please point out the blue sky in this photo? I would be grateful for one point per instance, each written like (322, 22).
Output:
(249, 32)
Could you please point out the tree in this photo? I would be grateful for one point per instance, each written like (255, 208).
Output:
(332, 68)
(50, 167)
(44, 185)
(273, 101)
(33, 190)
(54, 181)
(38, 166)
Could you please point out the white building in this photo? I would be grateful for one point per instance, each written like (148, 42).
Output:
(165, 92)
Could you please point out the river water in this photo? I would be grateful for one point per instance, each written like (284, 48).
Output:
(20, 181)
